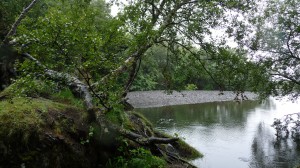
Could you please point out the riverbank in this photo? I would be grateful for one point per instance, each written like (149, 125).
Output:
(34, 129)
(145, 99)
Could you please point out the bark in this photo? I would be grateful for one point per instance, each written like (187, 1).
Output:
(127, 63)
(74, 83)
(133, 73)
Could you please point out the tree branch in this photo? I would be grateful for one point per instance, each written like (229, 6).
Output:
(289, 47)
(144, 47)
(74, 84)
(87, 80)
(287, 77)
(145, 140)
(14, 27)
(134, 71)
(127, 63)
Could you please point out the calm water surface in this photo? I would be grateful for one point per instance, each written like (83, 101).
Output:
(230, 134)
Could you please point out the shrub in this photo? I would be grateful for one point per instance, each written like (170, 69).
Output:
(190, 87)
(137, 158)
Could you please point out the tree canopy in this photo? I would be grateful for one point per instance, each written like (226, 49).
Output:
(277, 46)
(83, 40)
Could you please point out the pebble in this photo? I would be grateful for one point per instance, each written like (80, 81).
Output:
(146, 99)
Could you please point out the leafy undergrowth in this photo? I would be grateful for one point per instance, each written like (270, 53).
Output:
(136, 158)
(38, 89)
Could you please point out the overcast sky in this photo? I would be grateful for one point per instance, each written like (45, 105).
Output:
(115, 8)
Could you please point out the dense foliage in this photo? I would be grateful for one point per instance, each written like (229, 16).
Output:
(163, 70)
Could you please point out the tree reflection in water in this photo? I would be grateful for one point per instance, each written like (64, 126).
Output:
(268, 151)
(207, 114)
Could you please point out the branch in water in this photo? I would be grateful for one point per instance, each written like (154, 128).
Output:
(145, 140)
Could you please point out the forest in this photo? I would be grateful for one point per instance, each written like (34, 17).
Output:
(66, 67)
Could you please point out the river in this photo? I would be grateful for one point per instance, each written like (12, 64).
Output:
(230, 134)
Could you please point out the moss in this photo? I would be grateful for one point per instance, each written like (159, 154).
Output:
(185, 150)
(62, 118)
(67, 97)
(34, 130)
(25, 115)
(127, 124)
(7, 93)
(129, 120)
(18, 115)
(143, 118)
(115, 116)
(42, 89)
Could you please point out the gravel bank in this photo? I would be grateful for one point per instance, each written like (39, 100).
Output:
(144, 99)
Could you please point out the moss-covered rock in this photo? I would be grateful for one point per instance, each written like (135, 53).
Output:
(37, 132)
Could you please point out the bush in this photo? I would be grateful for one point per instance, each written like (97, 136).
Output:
(190, 87)
(137, 158)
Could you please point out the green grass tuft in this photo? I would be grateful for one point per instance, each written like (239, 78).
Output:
(136, 158)
(66, 96)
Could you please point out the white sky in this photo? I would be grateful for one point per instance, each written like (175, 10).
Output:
(114, 8)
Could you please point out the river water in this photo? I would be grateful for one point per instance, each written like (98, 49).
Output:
(230, 134)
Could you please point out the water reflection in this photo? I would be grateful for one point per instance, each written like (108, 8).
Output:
(224, 113)
(267, 151)
(230, 134)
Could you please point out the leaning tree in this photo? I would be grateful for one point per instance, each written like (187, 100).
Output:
(78, 45)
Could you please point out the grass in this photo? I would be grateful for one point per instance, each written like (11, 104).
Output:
(136, 158)
(43, 89)
(67, 97)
